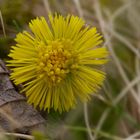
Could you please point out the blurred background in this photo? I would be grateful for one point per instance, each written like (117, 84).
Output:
(113, 113)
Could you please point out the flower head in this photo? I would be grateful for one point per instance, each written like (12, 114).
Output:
(57, 63)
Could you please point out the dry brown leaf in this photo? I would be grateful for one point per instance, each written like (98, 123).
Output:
(15, 113)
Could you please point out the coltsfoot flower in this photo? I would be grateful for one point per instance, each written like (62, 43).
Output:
(58, 63)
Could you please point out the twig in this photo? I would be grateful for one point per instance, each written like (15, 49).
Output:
(123, 40)
(131, 137)
(102, 133)
(2, 23)
(19, 135)
(46, 5)
(119, 11)
(78, 6)
(87, 122)
(126, 89)
(101, 121)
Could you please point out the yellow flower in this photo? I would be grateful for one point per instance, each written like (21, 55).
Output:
(58, 63)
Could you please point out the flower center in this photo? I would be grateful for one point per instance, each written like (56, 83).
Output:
(56, 60)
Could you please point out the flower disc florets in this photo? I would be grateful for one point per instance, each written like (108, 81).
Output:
(58, 63)
(56, 60)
